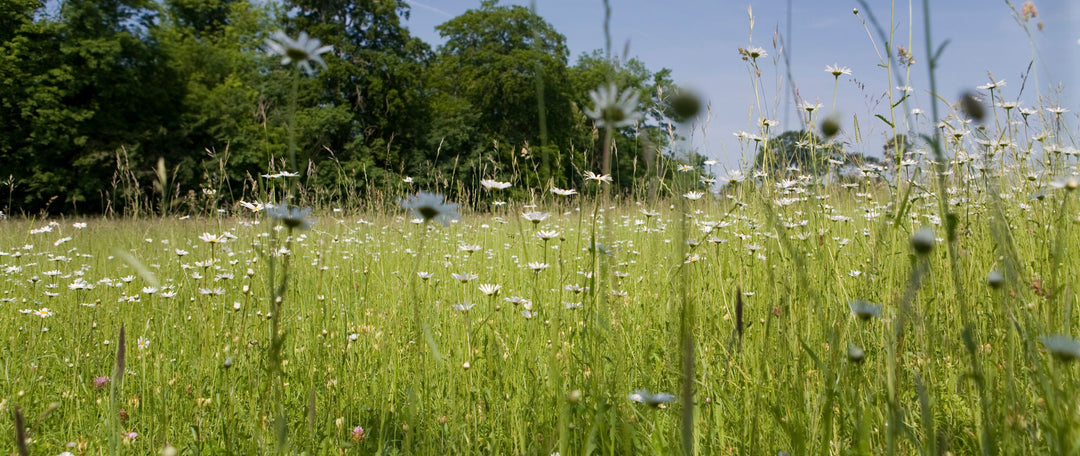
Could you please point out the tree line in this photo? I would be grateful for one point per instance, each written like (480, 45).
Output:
(104, 102)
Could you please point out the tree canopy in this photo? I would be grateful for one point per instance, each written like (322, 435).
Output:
(97, 94)
(806, 152)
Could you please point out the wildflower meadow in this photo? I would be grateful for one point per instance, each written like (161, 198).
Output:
(812, 301)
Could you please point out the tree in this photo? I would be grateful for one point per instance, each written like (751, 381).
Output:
(77, 88)
(203, 16)
(637, 151)
(214, 48)
(370, 105)
(495, 62)
(894, 149)
(809, 154)
(802, 149)
(91, 98)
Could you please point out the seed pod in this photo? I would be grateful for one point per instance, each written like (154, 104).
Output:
(972, 107)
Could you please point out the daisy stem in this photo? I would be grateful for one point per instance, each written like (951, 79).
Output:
(277, 340)
(836, 85)
(292, 120)
(605, 151)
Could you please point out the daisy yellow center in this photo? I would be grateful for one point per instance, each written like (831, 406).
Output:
(292, 222)
(427, 212)
(614, 114)
(296, 54)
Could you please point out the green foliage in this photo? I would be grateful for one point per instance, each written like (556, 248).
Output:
(368, 108)
(92, 98)
(637, 152)
(230, 100)
(203, 16)
(495, 58)
(895, 149)
(76, 89)
(774, 365)
(15, 15)
(804, 150)
(487, 78)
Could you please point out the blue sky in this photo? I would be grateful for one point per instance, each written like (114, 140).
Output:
(699, 41)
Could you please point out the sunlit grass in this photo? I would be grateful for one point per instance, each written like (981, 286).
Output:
(921, 305)
(524, 364)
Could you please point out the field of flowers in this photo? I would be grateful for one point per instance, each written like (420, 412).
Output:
(924, 304)
(815, 319)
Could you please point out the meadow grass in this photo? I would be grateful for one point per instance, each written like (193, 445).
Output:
(560, 372)
(925, 306)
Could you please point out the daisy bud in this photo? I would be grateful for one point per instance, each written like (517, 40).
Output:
(971, 106)
(574, 397)
(830, 126)
(855, 354)
(685, 105)
(923, 241)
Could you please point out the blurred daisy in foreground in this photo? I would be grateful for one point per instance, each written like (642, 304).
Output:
(1068, 182)
(292, 218)
(1063, 347)
(612, 108)
(303, 50)
(658, 400)
(430, 206)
